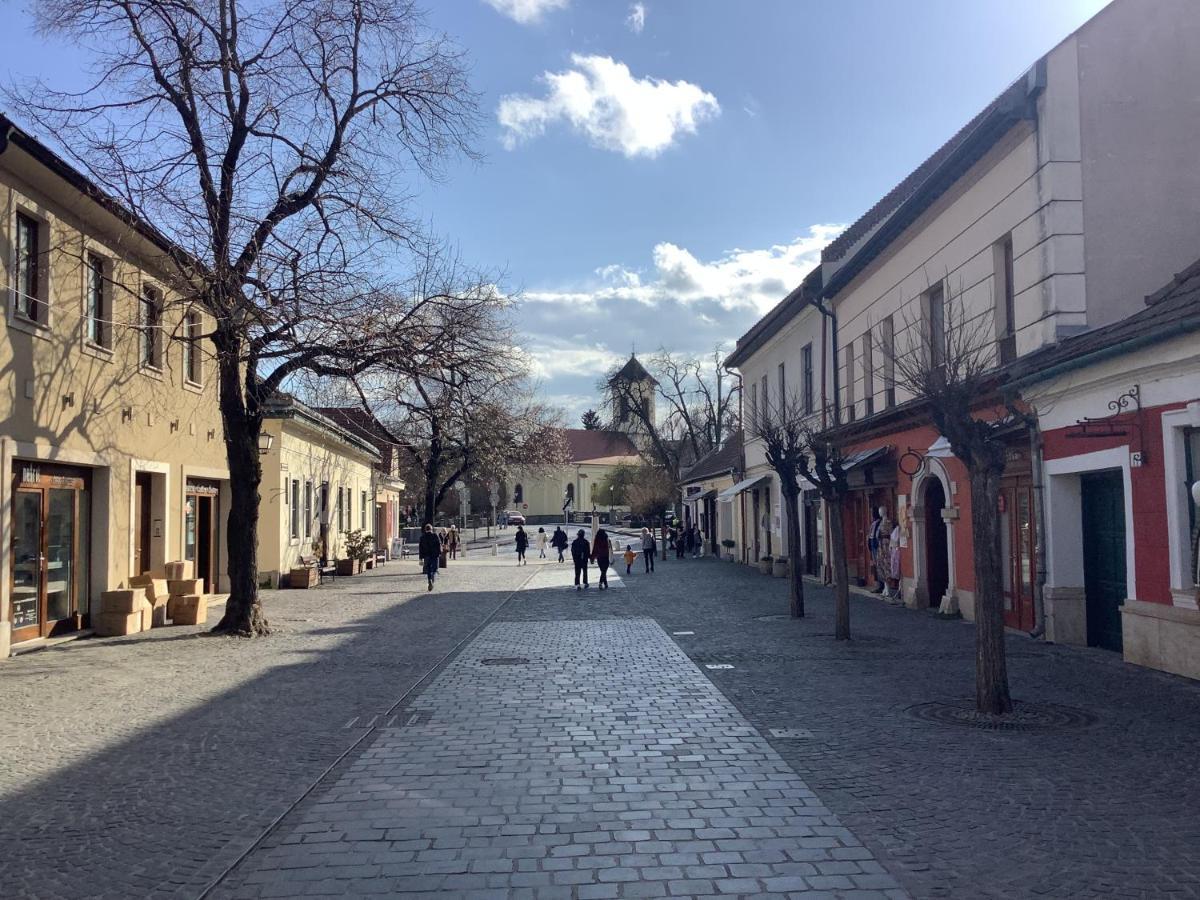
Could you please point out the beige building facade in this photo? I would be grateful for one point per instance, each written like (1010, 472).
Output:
(319, 484)
(112, 460)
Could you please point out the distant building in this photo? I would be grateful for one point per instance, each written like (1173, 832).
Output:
(540, 495)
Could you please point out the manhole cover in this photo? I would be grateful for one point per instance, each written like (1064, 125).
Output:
(1024, 717)
(793, 734)
(504, 661)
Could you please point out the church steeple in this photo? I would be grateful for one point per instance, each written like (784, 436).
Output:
(631, 390)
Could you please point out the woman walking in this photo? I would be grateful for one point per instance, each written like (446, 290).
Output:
(559, 541)
(648, 548)
(429, 551)
(522, 546)
(602, 556)
(452, 541)
(579, 554)
(542, 540)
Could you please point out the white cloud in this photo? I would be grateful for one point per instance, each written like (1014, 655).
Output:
(526, 11)
(574, 334)
(636, 20)
(602, 100)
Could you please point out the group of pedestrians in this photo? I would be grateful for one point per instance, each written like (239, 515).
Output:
(686, 541)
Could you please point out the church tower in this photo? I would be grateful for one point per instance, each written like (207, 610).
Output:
(631, 389)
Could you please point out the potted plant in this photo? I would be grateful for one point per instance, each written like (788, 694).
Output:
(780, 567)
(765, 563)
(729, 544)
(358, 549)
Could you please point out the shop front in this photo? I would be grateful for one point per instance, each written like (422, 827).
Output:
(51, 535)
(201, 515)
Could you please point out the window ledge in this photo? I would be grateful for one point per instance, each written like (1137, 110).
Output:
(154, 372)
(194, 387)
(98, 351)
(37, 329)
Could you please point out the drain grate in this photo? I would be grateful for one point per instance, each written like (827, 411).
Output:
(791, 734)
(505, 661)
(1041, 717)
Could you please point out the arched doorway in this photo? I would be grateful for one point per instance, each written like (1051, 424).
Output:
(937, 553)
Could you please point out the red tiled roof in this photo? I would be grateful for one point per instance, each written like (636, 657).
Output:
(584, 444)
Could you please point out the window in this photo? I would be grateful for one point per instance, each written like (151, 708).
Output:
(570, 493)
(1006, 331)
(150, 321)
(849, 379)
(191, 347)
(887, 341)
(782, 386)
(764, 396)
(753, 404)
(28, 281)
(96, 325)
(341, 507)
(806, 371)
(295, 509)
(362, 511)
(868, 370)
(935, 305)
(308, 508)
(518, 494)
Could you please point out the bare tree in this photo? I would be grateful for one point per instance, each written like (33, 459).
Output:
(700, 407)
(266, 141)
(798, 450)
(949, 362)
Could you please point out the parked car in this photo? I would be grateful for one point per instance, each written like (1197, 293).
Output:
(515, 518)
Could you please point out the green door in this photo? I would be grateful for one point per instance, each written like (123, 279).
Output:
(1104, 576)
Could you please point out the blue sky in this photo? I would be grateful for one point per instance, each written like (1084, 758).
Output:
(663, 185)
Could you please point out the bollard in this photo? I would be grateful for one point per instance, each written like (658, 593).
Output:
(496, 549)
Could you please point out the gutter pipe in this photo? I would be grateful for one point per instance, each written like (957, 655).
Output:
(1039, 523)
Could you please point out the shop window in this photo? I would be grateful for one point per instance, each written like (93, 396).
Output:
(97, 325)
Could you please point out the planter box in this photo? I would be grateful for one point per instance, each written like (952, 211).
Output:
(780, 568)
(370, 564)
(303, 577)
(347, 567)
(764, 566)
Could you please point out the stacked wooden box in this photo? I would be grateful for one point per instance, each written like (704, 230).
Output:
(156, 596)
(123, 612)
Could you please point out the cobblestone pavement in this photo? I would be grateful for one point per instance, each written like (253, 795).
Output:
(143, 766)
(1111, 810)
(585, 759)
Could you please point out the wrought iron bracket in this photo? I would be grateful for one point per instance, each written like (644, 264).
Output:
(1125, 419)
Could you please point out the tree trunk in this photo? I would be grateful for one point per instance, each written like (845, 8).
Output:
(841, 575)
(243, 610)
(991, 667)
(795, 576)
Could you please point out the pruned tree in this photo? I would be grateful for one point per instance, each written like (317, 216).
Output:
(949, 362)
(267, 142)
(650, 492)
(616, 483)
(798, 450)
(591, 420)
(700, 407)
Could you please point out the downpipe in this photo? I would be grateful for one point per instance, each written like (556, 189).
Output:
(1039, 516)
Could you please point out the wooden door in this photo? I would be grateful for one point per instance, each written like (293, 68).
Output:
(1018, 542)
(142, 493)
(1104, 574)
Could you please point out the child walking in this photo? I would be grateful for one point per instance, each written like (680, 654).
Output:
(630, 557)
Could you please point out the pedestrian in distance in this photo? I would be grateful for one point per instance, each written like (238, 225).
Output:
(602, 556)
(444, 537)
(699, 544)
(649, 546)
(580, 551)
(452, 542)
(429, 551)
(542, 539)
(522, 540)
(559, 541)
(630, 558)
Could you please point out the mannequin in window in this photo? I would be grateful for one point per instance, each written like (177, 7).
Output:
(880, 544)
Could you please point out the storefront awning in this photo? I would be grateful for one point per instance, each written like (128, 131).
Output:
(707, 495)
(863, 457)
(746, 485)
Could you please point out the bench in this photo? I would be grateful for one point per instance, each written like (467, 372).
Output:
(314, 564)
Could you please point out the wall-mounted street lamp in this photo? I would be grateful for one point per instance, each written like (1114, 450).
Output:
(265, 440)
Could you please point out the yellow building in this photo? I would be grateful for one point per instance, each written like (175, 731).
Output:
(540, 495)
(112, 460)
(319, 484)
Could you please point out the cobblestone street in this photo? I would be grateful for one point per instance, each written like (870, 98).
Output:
(675, 735)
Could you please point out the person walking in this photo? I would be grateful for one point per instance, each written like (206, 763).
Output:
(648, 549)
(522, 545)
(429, 551)
(452, 541)
(580, 551)
(542, 541)
(602, 556)
(681, 542)
(559, 541)
(630, 558)
(445, 554)
(699, 544)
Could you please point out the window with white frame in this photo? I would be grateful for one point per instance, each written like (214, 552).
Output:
(295, 509)
(308, 508)
(887, 344)
(806, 370)
(935, 325)
(97, 321)
(150, 323)
(1005, 313)
(29, 285)
(868, 370)
(362, 511)
(848, 377)
(191, 347)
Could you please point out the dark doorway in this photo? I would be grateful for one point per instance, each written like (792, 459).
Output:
(757, 525)
(812, 546)
(1104, 574)
(937, 557)
(142, 492)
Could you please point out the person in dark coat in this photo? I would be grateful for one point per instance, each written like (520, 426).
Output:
(559, 542)
(522, 546)
(602, 556)
(429, 551)
(580, 551)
